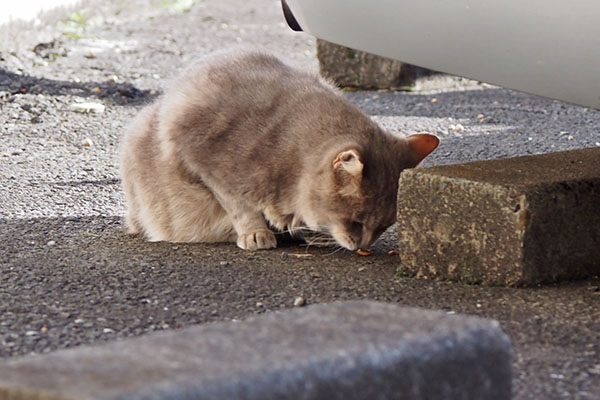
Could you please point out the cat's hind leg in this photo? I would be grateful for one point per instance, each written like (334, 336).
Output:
(196, 215)
(132, 223)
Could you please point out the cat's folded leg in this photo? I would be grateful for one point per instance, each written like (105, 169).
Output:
(264, 239)
(249, 224)
(253, 233)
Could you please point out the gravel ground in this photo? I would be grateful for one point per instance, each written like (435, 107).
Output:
(70, 276)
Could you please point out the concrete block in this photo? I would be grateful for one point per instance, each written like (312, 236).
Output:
(353, 68)
(516, 221)
(351, 350)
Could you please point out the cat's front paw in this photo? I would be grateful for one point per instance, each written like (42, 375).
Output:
(263, 239)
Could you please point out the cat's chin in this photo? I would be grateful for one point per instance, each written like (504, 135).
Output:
(351, 248)
(345, 241)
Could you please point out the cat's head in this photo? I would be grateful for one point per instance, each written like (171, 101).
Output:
(353, 195)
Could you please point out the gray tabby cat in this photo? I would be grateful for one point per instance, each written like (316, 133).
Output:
(241, 145)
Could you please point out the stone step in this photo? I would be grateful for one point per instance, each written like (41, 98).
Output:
(517, 221)
(358, 350)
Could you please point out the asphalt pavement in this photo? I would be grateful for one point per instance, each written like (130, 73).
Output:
(70, 276)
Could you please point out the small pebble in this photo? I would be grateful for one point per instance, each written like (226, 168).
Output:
(108, 330)
(259, 304)
(87, 142)
(479, 117)
(299, 302)
(595, 369)
(51, 243)
(459, 128)
(96, 90)
(361, 269)
(88, 107)
(224, 263)
(44, 329)
(113, 78)
(434, 100)
(569, 138)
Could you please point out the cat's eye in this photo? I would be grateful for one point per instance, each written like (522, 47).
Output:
(356, 226)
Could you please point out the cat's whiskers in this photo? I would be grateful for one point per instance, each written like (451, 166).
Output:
(337, 249)
(315, 238)
(300, 230)
(296, 231)
(325, 240)
(321, 239)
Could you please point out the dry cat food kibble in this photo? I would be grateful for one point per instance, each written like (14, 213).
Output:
(88, 107)
(362, 252)
(301, 255)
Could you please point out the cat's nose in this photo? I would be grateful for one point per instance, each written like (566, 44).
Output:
(366, 241)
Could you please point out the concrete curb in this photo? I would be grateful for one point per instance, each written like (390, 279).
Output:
(348, 350)
(515, 221)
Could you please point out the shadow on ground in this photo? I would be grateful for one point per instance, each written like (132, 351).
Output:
(119, 93)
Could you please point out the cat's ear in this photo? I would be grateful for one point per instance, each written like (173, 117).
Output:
(349, 161)
(348, 170)
(421, 144)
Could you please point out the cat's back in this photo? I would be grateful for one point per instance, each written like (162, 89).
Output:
(236, 66)
(241, 79)
(245, 94)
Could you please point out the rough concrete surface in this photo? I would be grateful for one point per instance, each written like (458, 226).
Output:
(347, 350)
(69, 276)
(515, 221)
